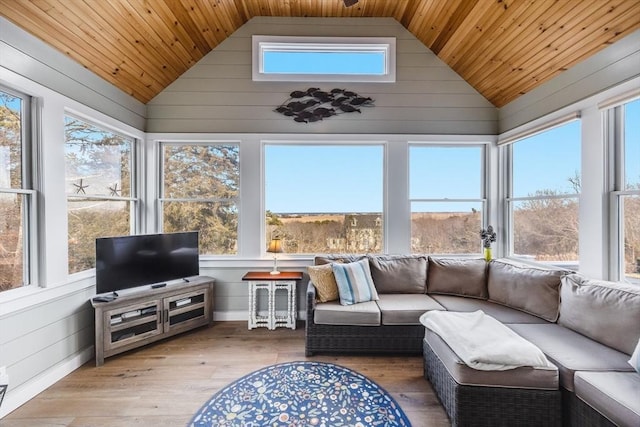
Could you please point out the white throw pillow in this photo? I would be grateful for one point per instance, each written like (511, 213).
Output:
(635, 358)
(355, 283)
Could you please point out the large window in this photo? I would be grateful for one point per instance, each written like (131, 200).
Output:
(544, 191)
(200, 192)
(101, 197)
(626, 193)
(17, 197)
(446, 191)
(325, 198)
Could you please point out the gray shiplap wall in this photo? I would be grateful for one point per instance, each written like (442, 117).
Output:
(62, 328)
(232, 294)
(218, 94)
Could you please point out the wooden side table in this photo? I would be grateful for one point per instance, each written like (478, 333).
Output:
(271, 283)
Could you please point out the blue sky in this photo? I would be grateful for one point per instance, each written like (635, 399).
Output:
(349, 178)
(370, 63)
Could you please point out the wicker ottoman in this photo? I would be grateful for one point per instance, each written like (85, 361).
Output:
(517, 397)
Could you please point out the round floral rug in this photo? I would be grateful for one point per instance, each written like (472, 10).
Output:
(302, 394)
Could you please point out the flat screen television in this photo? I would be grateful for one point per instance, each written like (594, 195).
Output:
(129, 261)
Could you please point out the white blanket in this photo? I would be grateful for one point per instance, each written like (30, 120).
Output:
(484, 343)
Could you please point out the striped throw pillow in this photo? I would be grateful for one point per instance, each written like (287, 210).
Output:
(354, 282)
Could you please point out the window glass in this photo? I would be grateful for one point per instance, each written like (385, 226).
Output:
(98, 167)
(445, 172)
(366, 63)
(15, 197)
(545, 189)
(445, 190)
(201, 184)
(548, 163)
(632, 145)
(11, 124)
(325, 198)
(631, 237)
(323, 59)
(630, 203)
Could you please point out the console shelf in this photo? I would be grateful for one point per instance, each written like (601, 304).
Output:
(140, 318)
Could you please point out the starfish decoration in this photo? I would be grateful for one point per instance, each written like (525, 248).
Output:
(115, 191)
(80, 187)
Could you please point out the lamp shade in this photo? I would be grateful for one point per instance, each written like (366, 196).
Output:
(275, 246)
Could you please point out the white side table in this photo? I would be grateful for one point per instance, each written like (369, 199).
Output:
(271, 283)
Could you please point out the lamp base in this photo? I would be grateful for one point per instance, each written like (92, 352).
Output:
(274, 272)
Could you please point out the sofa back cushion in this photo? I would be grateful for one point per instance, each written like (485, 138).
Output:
(329, 258)
(534, 290)
(457, 276)
(399, 274)
(607, 312)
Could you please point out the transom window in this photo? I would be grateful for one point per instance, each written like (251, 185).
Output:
(446, 192)
(313, 59)
(325, 198)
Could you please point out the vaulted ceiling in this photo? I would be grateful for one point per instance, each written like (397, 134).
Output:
(503, 48)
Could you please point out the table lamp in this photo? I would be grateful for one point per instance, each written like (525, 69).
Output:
(275, 247)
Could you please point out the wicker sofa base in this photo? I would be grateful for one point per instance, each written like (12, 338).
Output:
(490, 406)
(579, 414)
(383, 339)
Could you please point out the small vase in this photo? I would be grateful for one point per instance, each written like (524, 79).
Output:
(487, 254)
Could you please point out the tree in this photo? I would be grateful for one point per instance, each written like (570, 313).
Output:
(11, 205)
(197, 172)
(98, 164)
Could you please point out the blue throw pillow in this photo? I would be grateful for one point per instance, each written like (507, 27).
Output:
(355, 283)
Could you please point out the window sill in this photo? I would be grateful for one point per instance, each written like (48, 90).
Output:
(15, 300)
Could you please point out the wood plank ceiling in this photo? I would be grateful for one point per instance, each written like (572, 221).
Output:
(503, 48)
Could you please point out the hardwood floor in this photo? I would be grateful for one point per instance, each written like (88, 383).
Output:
(165, 383)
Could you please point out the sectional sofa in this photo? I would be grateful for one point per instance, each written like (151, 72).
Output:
(587, 328)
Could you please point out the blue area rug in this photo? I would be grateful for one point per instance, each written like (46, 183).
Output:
(302, 394)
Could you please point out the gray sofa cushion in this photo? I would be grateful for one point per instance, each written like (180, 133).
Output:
(399, 274)
(497, 311)
(405, 309)
(616, 395)
(523, 377)
(533, 290)
(333, 313)
(326, 259)
(608, 312)
(572, 352)
(451, 276)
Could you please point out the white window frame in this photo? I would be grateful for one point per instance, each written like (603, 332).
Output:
(484, 167)
(162, 199)
(262, 44)
(135, 224)
(323, 143)
(509, 200)
(27, 192)
(614, 119)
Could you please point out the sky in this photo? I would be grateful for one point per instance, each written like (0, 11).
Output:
(371, 63)
(349, 178)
